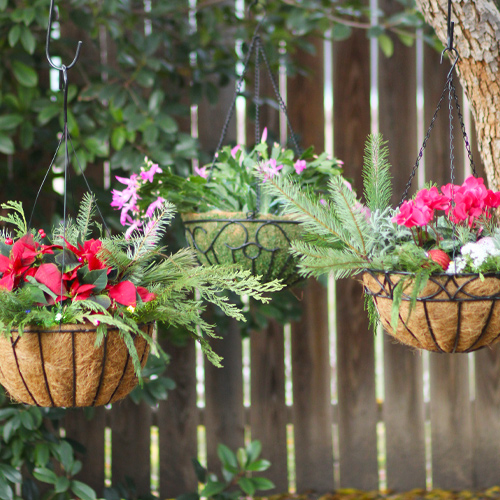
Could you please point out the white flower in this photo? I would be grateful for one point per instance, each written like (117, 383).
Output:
(480, 251)
(58, 317)
(456, 266)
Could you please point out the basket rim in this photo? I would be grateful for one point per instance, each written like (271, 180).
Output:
(444, 275)
(235, 217)
(87, 326)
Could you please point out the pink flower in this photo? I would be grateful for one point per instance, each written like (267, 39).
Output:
(348, 185)
(322, 201)
(411, 215)
(136, 224)
(492, 199)
(235, 150)
(270, 169)
(264, 135)
(153, 206)
(300, 166)
(202, 172)
(148, 176)
(432, 199)
(365, 210)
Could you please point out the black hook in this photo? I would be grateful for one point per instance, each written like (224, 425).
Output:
(63, 67)
(449, 47)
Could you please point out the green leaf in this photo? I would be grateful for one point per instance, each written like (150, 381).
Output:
(5, 491)
(14, 34)
(65, 453)
(118, 138)
(25, 74)
(199, 470)
(6, 145)
(3, 4)
(98, 278)
(262, 483)
(27, 420)
(167, 123)
(11, 121)
(48, 112)
(45, 475)
(151, 134)
(341, 32)
(246, 484)
(407, 40)
(213, 488)
(28, 40)
(82, 491)
(62, 484)
(13, 475)
(226, 456)
(42, 454)
(258, 465)
(155, 101)
(242, 457)
(254, 449)
(386, 45)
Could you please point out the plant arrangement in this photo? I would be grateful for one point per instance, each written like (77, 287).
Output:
(430, 267)
(54, 291)
(227, 218)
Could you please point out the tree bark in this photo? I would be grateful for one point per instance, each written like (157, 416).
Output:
(477, 39)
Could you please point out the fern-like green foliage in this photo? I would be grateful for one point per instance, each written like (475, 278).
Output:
(376, 173)
(180, 286)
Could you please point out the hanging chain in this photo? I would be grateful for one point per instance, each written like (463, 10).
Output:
(253, 215)
(452, 96)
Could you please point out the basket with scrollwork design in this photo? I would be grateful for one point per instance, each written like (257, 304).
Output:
(260, 244)
(453, 313)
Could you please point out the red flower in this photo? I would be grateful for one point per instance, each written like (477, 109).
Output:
(124, 293)
(412, 215)
(50, 276)
(145, 294)
(22, 256)
(87, 254)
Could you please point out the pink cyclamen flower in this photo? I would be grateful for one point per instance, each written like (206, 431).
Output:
(432, 199)
(148, 176)
(153, 206)
(300, 166)
(411, 215)
(201, 171)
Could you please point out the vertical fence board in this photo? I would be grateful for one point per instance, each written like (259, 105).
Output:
(268, 416)
(487, 418)
(312, 410)
(90, 433)
(451, 425)
(311, 369)
(130, 444)
(177, 420)
(403, 404)
(224, 415)
(450, 422)
(355, 345)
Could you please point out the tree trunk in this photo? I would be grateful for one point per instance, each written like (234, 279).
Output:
(477, 39)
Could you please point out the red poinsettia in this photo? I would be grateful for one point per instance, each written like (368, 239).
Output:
(125, 293)
(22, 256)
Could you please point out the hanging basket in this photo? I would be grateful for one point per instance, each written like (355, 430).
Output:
(259, 244)
(62, 367)
(453, 313)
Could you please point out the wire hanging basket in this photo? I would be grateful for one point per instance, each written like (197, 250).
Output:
(255, 241)
(453, 313)
(69, 365)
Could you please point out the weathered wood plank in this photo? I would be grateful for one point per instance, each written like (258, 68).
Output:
(312, 410)
(268, 412)
(177, 420)
(451, 426)
(355, 345)
(486, 420)
(89, 433)
(130, 444)
(403, 404)
(224, 413)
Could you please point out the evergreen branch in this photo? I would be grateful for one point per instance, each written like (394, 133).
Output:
(85, 215)
(306, 209)
(376, 173)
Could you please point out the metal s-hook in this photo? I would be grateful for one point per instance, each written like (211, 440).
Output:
(449, 47)
(63, 67)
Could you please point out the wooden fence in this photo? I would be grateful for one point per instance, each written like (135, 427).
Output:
(432, 420)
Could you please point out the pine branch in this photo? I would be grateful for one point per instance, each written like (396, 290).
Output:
(376, 173)
(85, 216)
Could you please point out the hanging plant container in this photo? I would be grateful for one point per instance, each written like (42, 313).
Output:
(259, 244)
(62, 367)
(452, 314)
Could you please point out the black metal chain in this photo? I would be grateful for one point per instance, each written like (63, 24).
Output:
(452, 96)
